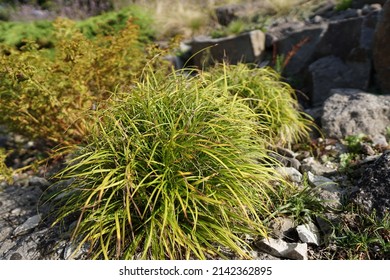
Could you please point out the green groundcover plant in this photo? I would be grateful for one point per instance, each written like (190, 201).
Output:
(177, 168)
(42, 32)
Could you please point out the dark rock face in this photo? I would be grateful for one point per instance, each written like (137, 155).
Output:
(246, 47)
(357, 4)
(332, 72)
(374, 187)
(301, 44)
(381, 51)
(341, 37)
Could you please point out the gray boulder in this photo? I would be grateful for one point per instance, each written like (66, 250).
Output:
(381, 51)
(246, 47)
(332, 72)
(297, 44)
(343, 56)
(340, 38)
(352, 112)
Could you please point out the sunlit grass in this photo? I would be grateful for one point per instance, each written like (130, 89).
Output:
(172, 172)
(273, 101)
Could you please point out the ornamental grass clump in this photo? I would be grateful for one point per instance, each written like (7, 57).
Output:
(171, 171)
(274, 101)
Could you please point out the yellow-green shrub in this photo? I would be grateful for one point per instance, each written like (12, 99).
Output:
(45, 95)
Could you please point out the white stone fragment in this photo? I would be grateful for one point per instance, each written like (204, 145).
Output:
(280, 248)
(291, 173)
(309, 233)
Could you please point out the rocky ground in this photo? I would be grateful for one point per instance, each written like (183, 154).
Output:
(25, 222)
(348, 167)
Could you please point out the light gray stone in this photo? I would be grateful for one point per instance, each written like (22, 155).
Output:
(28, 225)
(379, 140)
(38, 181)
(73, 252)
(281, 227)
(322, 182)
(280, 248)
(312, 165)
(290, 173)
(328, 191)
(309, 233)
(353, 112)
(5, 232)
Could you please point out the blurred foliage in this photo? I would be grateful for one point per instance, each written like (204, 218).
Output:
(42, 32)
(45, 95)
(16, 33)
(5, 171)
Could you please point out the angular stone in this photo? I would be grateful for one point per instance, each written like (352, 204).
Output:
(381, 51)
(299, 46)
(352, 112)
(290, 173)
(312, 165)
(309, 233)
(246, 47)
(72, 252)
(28, 225)
(280, 248)
(328, 191)
(322, 182)
(340, 38)
(379, 140)
(38, 181)
(281, 227)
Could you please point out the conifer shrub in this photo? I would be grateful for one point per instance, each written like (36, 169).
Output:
(46, 94)
(176, 168)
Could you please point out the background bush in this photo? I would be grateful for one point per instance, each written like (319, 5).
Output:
(46, 94)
